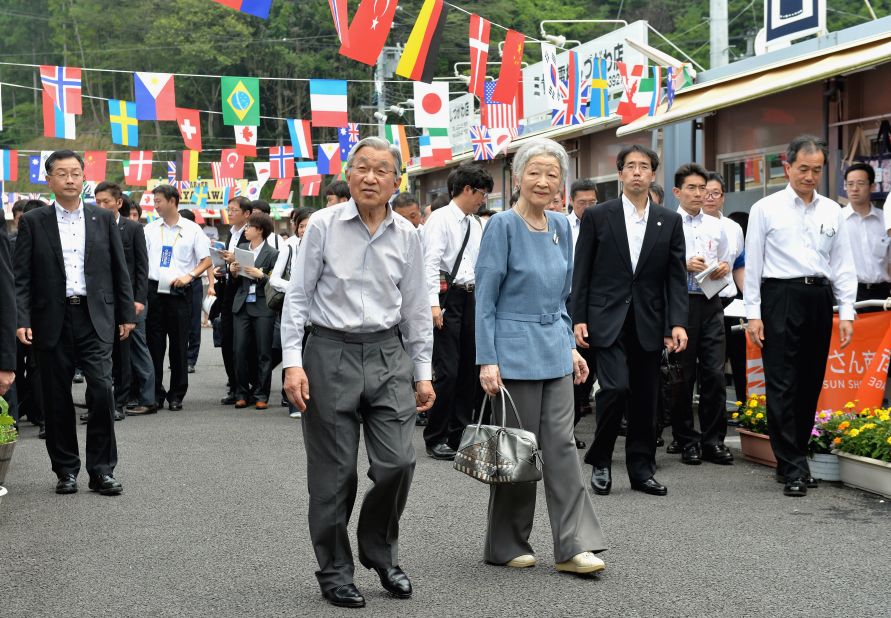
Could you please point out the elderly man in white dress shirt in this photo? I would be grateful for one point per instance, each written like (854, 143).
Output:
(798, 256)
(358, 284)
(866, 229)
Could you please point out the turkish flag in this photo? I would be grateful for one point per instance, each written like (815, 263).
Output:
(189, 124)
(369, 29)
(282, 189)
(232, 163)
(94, 165)
(509, 77)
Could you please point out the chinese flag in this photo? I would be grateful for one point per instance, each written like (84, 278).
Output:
(509, 77)
(94, 165)
(369, 30)
(282, 189)
(232, 163)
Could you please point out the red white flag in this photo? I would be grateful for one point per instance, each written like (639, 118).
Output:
(509, 76)
(369, 29)
(246, 140)
(479, 54)
(140, 169)
(189, 124)
(231, 163)
(94, 165)
(310, 185)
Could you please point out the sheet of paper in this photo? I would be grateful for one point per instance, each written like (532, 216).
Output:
(709, 286)
(164, 281)
(217, 258)
(245, 259)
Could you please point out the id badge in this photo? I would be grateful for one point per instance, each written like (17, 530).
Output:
(166, 256)
(252, 294)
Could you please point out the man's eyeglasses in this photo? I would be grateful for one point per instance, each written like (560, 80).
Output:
(584, 203)
(485, 194)
(714, 195)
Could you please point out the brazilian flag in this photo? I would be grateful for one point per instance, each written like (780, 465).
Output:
(241, 100)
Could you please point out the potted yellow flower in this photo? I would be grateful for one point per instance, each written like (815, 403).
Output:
(828, 425)
(752, 427)
(864, 450)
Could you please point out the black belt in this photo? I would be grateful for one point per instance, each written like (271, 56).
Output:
(339, 335)
(881, 285)
(815, 280)
(467, 287)
(76, 300)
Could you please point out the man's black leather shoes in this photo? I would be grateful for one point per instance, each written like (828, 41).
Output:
(579, 444)
(41, 433)
(395, 581)
(601, 480)
(346, 595)
(691, 456)
(717, 453)
(106, 484)
(175, 406)
(119, 415)
(442, 452)
(141, 410)
(650, 486)
(228, 400)
(796, 488)
(674, 448)
(660, 442)
(810, 481)
(67, 484)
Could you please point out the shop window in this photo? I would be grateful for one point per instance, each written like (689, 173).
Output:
(751, 176)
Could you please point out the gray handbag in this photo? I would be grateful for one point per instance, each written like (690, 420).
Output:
(495, 454)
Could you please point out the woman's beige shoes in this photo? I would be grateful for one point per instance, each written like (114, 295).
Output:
(522, 562)
(585, 562)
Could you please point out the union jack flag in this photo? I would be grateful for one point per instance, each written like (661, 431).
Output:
(482, 143)
(182, 185)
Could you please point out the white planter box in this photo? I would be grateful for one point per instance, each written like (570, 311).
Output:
(824, 466)
(865, 473)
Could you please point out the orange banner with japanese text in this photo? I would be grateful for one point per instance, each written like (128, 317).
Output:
(857, 372)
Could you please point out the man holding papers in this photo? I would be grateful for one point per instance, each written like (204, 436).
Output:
(708, 257)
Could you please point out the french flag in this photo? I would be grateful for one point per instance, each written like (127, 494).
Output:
(329, 158)
(301, 138)
(155, 96)
(328, 100)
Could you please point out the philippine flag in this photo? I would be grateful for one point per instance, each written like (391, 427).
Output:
(328, 100)
(301, 138)
(155, 96)
(329, 158)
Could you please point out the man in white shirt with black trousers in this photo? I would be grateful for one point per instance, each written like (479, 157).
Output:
(869, 240)
(798, 259)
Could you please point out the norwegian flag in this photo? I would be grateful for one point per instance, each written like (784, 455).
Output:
(219, 180)
(499, 115)
(479, 54)
(281, 162)
(63, 86)
(482, 143)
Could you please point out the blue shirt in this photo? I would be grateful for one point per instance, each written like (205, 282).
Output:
(522, 281)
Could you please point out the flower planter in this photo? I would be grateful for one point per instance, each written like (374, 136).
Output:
(824, 466)
(865, 473)
(756, 448)
(5, 458)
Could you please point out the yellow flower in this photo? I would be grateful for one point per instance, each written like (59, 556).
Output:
(888, 440)
(734, 415)
(753, 403)
(837, 441)
(738, 404)
(850, 405)
(843, 425)
(762, 398)
(854, 432)
(868, 426)
(838, 413)
(748, 413)
(759, 416)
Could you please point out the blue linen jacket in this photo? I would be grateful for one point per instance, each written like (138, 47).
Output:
(522, 281)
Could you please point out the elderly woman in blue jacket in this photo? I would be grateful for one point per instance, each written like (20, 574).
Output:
(524, 342)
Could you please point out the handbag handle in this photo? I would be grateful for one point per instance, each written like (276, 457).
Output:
(504, 395)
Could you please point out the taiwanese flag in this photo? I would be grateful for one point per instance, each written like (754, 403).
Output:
(509, 77)
(94, 165)
(421, 53)
(257, 8)
(369, 30)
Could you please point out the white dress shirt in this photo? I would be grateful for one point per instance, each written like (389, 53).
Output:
(575, 224)
(189, 243)
(275, 279)
(72, 235)
(788, 239)
(234, 238)
(886, 209)
(736, 244)
(704, 237)
(636, 226)
(869, 244)
(443, 236)
(348, 280)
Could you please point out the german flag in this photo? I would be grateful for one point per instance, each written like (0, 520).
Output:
(418, 61)
(187, 165)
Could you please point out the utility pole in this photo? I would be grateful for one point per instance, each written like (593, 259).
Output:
(719, 38)
(386, 65)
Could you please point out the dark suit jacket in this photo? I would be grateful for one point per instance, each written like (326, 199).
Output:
(40, 275)
(7, 305)
(226, 286)
(604, 287)
(133, 240)
(265, 261)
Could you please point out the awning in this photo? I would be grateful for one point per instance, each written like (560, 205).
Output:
(708, 97)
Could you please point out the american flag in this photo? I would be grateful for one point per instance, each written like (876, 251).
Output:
(500, 115)
(218, 180)
(482, 143)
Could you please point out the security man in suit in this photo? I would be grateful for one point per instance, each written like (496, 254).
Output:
(74, 298)
(8, 351)
(629, 300)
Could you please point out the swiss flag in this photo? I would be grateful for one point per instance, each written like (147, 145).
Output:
(189, 124)
(94, 165)
(369, 29)
(509, 77)
(140, 169)
(246, 140)
(232, 163)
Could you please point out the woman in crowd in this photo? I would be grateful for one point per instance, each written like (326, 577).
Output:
(253, 321)
(524, 342)
(279, 278)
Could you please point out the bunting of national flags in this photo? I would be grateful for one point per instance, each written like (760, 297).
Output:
(347, 137)
(418, 61)
(328, 100)
(301, 138)
(124, 125)
(155, 97)
(281, 162)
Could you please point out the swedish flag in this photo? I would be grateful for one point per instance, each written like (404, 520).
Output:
(599, 105)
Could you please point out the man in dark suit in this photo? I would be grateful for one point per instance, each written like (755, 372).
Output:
(74, 298)
(8, 352)
(629, 297)
(110, 197)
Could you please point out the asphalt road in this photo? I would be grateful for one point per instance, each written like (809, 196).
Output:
(212, 522)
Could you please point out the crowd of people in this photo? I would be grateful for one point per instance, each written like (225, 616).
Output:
(386, 315)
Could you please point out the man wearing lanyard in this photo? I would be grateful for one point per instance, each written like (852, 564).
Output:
(863, 222)
(703, 360)
(178, 253)
(798, 256)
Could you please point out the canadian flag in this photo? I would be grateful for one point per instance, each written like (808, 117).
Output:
(246, 140)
